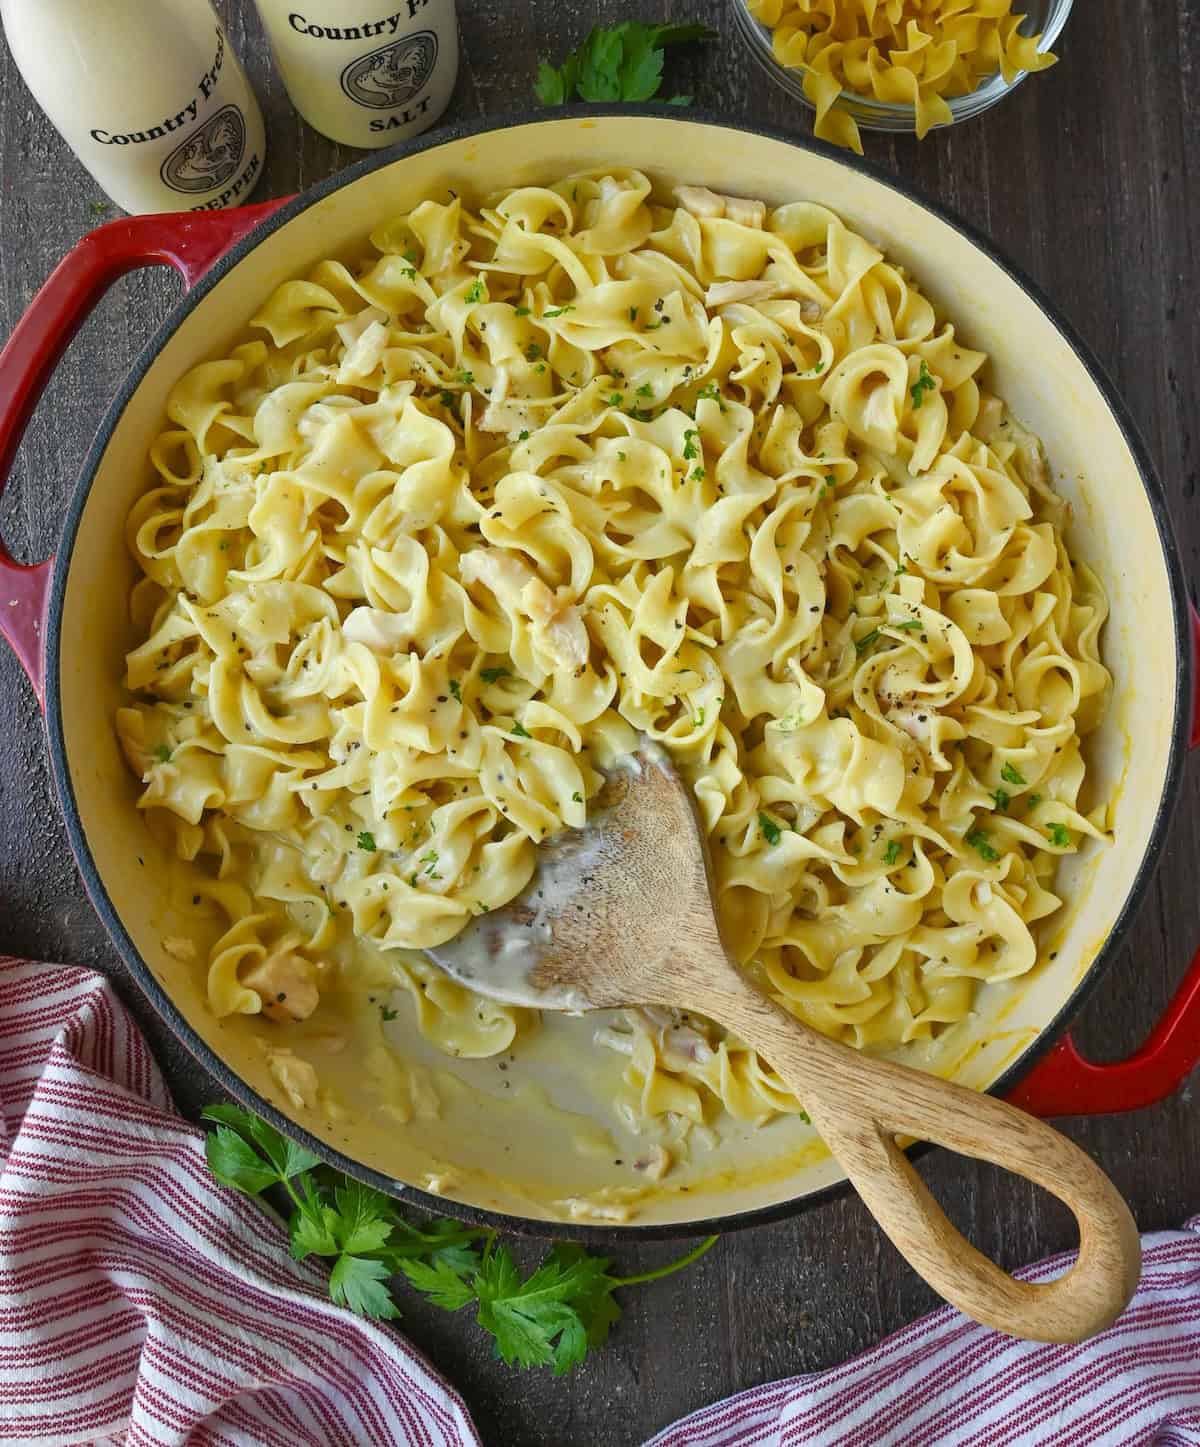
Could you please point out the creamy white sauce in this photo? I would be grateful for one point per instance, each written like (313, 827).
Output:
(497, 954)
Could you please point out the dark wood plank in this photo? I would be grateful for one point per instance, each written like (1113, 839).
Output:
(1087, 179)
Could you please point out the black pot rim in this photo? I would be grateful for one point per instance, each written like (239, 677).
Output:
(156, 992)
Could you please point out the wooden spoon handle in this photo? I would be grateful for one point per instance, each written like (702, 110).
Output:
(859, 1104)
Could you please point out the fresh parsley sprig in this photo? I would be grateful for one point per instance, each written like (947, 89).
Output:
(618, 62)
(553, 1317)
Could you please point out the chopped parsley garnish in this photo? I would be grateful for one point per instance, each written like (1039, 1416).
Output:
(615, 399)
(410, 272)
(698, 721)
(698, 474)
(467, 378)
(163, 752)
(387, 1013)
(520, 731)
(1032, 802)
(1011, 775)
(430, 862)
(910, 626)
(633, 311)
(926, 382)
(621, 457)
(1059, 835)
(690, 450)
(558, 311)
(448, 399)
(1002, 800)
(366, 842)
(475, 292)
(492, 675)
(521, 311)
(712, 393)
(769, 830)
(523, 435)
(868, 640)
(645, 390)
(892, 852)
(455, 689)
(576, 797)
(532, 352)
(553, 1317)
(978, 841)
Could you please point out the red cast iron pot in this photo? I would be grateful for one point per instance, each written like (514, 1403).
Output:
(66, 620)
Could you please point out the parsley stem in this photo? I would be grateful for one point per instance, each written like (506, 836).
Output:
(672, 1266)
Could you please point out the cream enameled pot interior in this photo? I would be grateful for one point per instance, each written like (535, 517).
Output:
(529, 1141)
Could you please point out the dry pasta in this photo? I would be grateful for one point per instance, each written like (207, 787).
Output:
(908, 52)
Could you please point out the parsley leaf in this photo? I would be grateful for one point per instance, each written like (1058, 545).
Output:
(1059, 835)
(1032, 802)
(557, 311)
(892, 852)
(360, 1283)
(769, 830)
(866, 641)
(455, 689)
(492, 675)
(520, 731)
(1010, 775)
(366, 842)
(978, 841)
(475, 292)
(236, 1163)
(926, 382)
(1003, 800)
(163, 752)
(553, 1317)
(619, 62)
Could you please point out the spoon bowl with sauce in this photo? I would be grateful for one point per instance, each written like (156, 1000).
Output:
(620, 913)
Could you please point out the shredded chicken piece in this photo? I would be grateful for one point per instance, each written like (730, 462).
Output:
(364, 354)
(745, 212)
(295, 1077)
(558, 626)
(503, 573)
(286, 985)
(699, 200)
(654, 1163)
(381, 632)
(579, 1208)
(722, 293)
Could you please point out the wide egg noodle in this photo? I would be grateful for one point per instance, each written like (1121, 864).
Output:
(457, 523)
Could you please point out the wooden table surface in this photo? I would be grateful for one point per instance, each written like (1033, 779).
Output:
(1085, 178)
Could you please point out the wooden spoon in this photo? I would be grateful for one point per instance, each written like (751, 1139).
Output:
(620, 913)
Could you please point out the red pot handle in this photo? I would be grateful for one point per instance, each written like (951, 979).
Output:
(190, 242)
(1064, 1083)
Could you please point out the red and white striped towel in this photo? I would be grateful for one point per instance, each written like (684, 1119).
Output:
(142, 1303)
(946, 1382)
(139, 1300)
